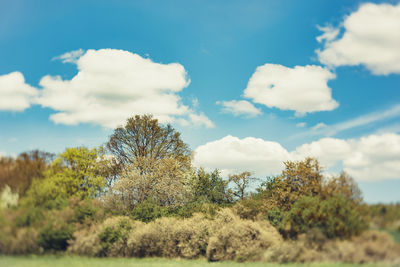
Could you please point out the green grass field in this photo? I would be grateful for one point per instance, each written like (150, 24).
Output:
(65, 261)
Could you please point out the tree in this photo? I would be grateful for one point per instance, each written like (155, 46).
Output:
(19, 173)
(343, 185)
(300, 178)
(74, 173)
(144, 138)
(209, 188)
(165, 183)
(241, 183)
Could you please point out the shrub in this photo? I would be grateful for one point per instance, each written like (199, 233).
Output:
(369, 247)
(171, 237)
(108, 239)
(148, 210)
(24, 242)
(57, 229)
(241, 240)
(336, 217)
(85, 242)
(249, 209)
(54, 235)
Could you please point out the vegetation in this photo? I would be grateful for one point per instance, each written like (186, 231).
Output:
(53, 261)
(139, 196)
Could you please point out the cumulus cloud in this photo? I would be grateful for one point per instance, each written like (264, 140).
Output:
(371, 37)
(303, 89)
(112, 85)
(15, 94)
(301, 124)
(231, 154)
(370, 158)
(239, 107)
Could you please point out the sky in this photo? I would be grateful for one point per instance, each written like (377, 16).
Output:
(249, 84)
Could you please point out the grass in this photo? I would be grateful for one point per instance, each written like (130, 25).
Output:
(67, 261)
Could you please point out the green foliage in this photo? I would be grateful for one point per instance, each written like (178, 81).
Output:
(148, 210)
(30, 217)
(299, 179)
(55, 235)
(86, 211)
(385, 216)
(209, 188)
(75, 173)
(335, 217)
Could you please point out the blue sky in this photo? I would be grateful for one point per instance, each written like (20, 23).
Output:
(248, 83)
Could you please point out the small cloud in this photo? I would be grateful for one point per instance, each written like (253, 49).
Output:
(329, 34)
(301, 124)
(70, 57)
(201, 120)
(195, 103)
(320, 125)
(303, 89)
(15, 94)
(239, 107)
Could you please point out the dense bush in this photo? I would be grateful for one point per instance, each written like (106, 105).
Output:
(241, 240)
(171, 237)
(148, 210)
(335, 217)
(369, 247)
(107, 239)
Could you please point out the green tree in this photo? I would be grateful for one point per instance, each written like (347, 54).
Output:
(74, 173)
(335, 217)
(209, 188)
(298, 179)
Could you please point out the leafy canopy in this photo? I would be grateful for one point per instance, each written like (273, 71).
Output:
(74, 173)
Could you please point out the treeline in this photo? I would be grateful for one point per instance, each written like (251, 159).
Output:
(139, 196)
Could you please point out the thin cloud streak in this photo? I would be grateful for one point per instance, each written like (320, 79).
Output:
(370, 118)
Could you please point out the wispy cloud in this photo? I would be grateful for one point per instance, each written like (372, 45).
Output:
(367, 119)
(322, 129)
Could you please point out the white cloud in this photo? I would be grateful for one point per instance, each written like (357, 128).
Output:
(370, 158)
(70, 57)
(239, 107)
(303, 89)
(15, 94)
(318, 126)
(329, 33)
(201, 119)
(112, 85)
(301, 124)
(231, 154)
(371, 37)
(367, 119)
